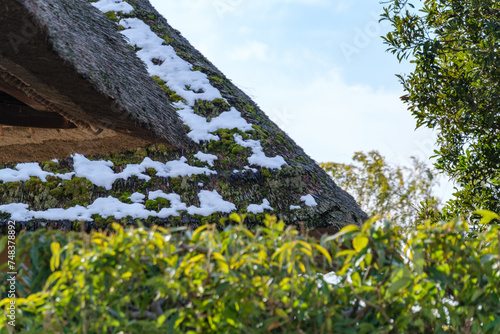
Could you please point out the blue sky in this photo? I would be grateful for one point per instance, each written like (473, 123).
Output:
(318, 68)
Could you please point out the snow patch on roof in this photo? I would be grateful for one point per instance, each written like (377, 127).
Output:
(190, 85)
(201, 129)
(179, 77)
(211, 202)
(259, 208)
(259, 157)
(24, 171)
(100, 172)
(295, 207)
(208, 158)
(113, 207)
(176, 205)
(253, 170)
(175, 168)
(113, 5)
(104, 206)
(309, 200)
(137, 198)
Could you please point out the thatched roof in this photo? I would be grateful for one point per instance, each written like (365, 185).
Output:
(249, 165)
(66, 58)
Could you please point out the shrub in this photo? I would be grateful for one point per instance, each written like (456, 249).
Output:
(440, 277)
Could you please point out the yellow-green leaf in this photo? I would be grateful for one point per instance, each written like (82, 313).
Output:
(356, 279)
(126, 275)
(218, 256)
(369, 223)
(345, 252)
(247, 232)
(345, 230)
(281, 313)
(306, 251)
(53, 277)
(117, 227)
(488, 216)
(360, 242)
(55, 258)
(280, 250)
(55, 247)
(305, 245)
(223, 267)
(368, 258)
(235, 217)
(5, 301)
(196, 258)
(179, 321)
(161, 319)
(197, 232)
(324, 252)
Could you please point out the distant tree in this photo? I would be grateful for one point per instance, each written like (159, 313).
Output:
(405, 193)
(454, 88)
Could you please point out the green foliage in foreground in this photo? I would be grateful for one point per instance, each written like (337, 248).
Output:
(441, 277)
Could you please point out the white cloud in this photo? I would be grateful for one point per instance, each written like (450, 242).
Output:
(331, 119)
(250, 50)
(343, 5)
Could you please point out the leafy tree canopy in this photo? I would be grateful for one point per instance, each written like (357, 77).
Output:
(454, 88)
(404, 193)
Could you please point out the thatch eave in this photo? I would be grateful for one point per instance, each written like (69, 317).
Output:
(70, 59)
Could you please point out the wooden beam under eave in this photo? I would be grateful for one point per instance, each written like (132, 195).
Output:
(19, 95)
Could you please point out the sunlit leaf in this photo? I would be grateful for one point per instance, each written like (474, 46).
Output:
(306, 251)
(126, 275)
(488, 216)
(343, 231)
(196, 234)
(55, 258)
(196, 258)
(218, 256)
(235, 217)
(324, 252)
(348, 252)
(360, 242)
